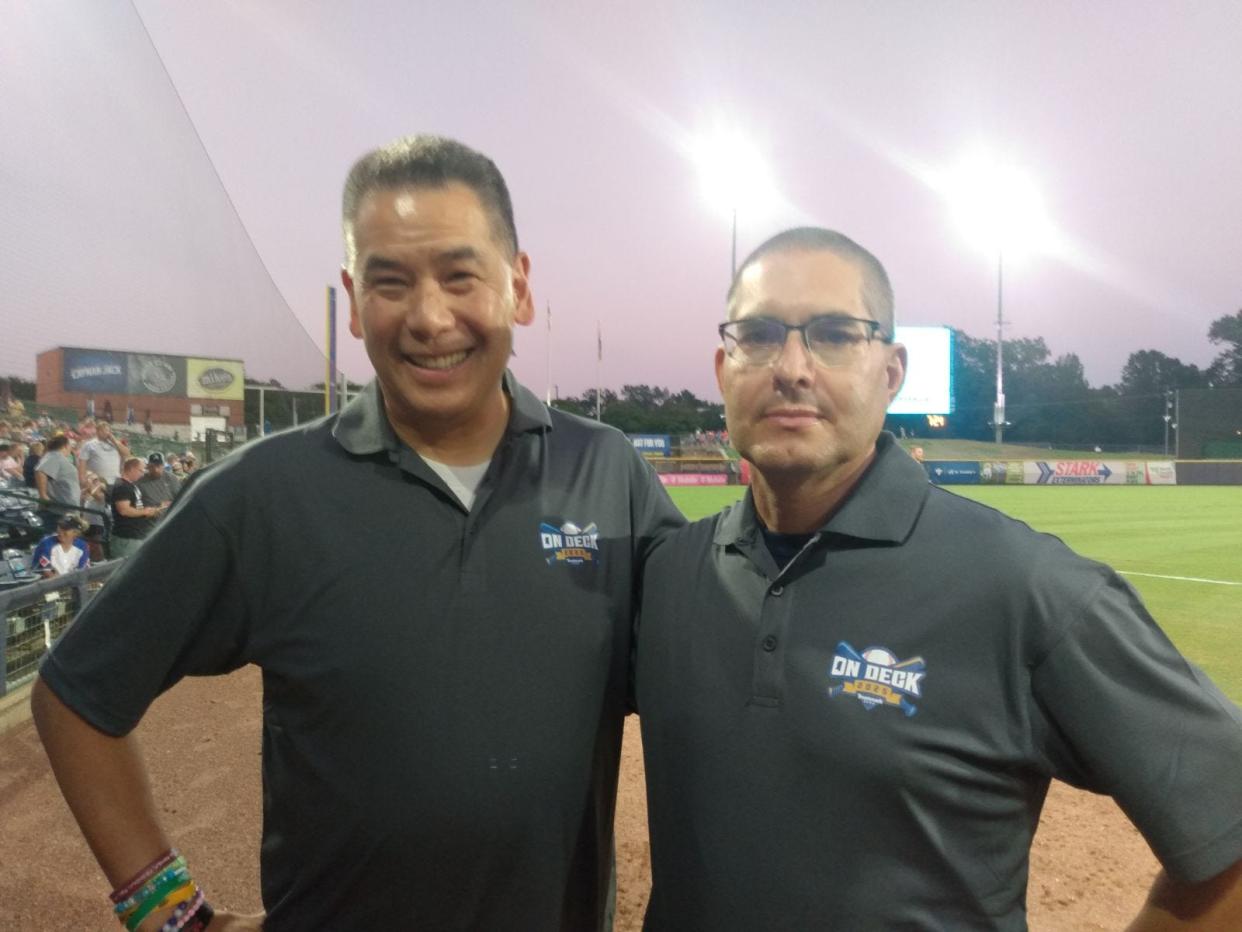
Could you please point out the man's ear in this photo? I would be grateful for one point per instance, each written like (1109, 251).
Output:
(523, 297)
(355, 322)
(895, 370)
(720, 364)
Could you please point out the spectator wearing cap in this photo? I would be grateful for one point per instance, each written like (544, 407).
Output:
(62, 552)
(157, 486)
(132, 519)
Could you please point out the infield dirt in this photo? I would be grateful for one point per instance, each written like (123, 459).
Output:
(1089, 868)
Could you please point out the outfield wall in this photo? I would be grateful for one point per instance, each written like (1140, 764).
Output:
(1209, 472)
(1053, 472)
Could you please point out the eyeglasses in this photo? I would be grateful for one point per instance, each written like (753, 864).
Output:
(833, 341)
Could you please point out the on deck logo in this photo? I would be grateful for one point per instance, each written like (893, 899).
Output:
(877, 677)
(569, 544)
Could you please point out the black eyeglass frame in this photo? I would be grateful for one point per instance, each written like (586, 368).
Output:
(875, 331)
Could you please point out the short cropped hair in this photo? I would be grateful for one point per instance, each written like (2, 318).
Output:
(428, 162)
(877, 292)
(59, 442)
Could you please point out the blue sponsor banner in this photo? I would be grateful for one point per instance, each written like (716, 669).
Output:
(952, 472)
(94, 371)
(657, 444)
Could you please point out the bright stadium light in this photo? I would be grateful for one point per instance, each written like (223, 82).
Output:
(999, 210)
(733, 176)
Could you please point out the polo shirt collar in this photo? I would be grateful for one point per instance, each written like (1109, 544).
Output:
(884, 506)
(363, 427)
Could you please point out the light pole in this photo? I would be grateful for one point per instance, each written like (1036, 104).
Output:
(733, 250)
(998, 408)
(1000, 211)
(1168, 417)
(734, 177)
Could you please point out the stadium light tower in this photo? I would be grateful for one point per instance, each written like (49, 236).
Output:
(734, 177)
(1000, 211)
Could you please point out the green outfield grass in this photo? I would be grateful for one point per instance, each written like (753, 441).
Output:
(1188, 531)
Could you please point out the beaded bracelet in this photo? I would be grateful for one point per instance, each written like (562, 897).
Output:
(192, 914)
(172, 897)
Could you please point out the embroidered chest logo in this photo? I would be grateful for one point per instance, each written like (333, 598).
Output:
(569, 544)
(877, 677)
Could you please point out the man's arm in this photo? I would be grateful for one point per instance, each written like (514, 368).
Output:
(104, 781)
(1214, 904)
(82, 467)
(41, 483)
(126, 508)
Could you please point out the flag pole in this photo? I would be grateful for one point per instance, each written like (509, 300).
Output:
(599, 366)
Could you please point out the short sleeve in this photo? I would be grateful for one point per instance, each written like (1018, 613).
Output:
(175, 608)
(652, 513)
(1131, 717)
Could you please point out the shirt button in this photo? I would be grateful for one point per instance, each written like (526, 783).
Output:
(769, 643)
(777, 591)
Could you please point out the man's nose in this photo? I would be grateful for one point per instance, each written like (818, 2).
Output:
(794, 364)
(429, 312)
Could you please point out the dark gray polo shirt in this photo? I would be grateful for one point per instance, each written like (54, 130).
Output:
(864, 739)
(443, 691)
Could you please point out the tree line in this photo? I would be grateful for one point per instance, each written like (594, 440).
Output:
(1048, 399)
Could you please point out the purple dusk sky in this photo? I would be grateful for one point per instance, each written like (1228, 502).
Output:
(172, 171)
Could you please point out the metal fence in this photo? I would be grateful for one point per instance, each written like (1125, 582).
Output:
(36, 614)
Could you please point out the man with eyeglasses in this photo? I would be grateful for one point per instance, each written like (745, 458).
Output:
(855, 687)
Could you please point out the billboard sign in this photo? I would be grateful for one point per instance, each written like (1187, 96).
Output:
(953, 472)
(660, 444)
(215, 378)
(94, 371)
(928, 388)
(694, 478)
(156, 374)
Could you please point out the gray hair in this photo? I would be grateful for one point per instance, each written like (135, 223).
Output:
(877, 292)
(428, 162)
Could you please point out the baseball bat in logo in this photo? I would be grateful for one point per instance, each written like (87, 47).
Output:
(568, 544)
(877, 678)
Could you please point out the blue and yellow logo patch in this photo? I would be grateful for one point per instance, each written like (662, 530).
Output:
(876, 677)
(569, 544)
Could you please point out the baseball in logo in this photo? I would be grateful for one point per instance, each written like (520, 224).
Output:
(568, 544)
(877, 678)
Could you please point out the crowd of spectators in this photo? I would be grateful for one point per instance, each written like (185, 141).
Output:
(96, 499)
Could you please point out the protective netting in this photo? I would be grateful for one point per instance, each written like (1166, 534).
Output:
(115, 230)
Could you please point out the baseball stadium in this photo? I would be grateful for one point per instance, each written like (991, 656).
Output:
(335, 539)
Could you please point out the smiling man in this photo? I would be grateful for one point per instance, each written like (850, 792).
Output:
(855, 687)
(438, 585)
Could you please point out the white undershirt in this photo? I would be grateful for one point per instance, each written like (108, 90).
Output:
(463, 481)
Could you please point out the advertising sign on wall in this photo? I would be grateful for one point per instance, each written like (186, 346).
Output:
(652, 443)
(154, 374)
(94, 371)
(953, 472)
(694, 478)
(215, 378)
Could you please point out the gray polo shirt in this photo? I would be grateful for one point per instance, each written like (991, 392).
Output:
(103, 458)
(863, 740)
(62, 479)
(443, 690)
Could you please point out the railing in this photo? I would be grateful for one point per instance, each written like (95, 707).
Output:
(35, 615)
